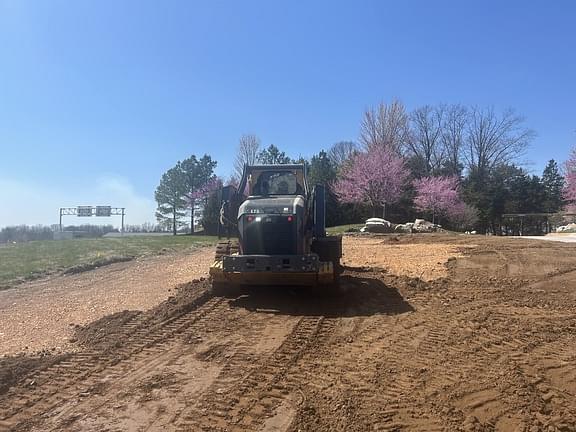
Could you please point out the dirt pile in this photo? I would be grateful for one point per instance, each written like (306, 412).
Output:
(111, 331)
(100, 333)
(14, 369)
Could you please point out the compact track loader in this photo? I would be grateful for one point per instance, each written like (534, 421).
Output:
(280, 228)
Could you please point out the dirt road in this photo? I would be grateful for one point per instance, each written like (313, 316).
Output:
(489, 346)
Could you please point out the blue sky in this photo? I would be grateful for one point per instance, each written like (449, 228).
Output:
(99, 98)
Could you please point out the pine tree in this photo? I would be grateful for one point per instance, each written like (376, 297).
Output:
(273, 156)
(170, 195)
(323, 171)
(553, 185)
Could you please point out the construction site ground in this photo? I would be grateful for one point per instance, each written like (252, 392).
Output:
(427, 333)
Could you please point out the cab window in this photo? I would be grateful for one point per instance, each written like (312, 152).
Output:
(277, 183)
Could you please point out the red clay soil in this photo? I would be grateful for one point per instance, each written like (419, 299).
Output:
(489, 347)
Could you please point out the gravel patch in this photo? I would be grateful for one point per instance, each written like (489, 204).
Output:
(42, 315)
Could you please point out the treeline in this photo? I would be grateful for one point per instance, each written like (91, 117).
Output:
(26, 233)
(460, 166)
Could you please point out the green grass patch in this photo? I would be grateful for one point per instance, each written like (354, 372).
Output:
(30, 260)
(341, 229)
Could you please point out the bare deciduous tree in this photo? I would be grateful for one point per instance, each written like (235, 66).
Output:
(341, 152)
(453, 128)
(247, 154)
(493, 139)
(425, 141)
(385, 126)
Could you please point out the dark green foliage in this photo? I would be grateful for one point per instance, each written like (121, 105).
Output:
(273, 156)
(179, 188)
(197, 174)
(489, 194)
(170, 195)
(506, 189)
(526, 194)
(553, 183)
(323, 172)
(211, 214)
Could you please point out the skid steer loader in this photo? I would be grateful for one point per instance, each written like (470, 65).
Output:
(280, 228)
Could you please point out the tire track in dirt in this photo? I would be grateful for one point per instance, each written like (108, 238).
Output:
(493, 362)
(423, 360)
(347, 400)
(137, 364)
(244, 404)
(66, 379)
(179, 355)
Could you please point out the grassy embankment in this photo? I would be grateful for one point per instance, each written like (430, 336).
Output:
(26, 261)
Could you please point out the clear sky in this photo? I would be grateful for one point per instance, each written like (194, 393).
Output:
(99, 98)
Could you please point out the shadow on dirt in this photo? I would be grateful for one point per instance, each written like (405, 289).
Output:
(357, 296)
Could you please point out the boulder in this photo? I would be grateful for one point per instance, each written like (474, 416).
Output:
(378, 221)
(424, 226)
(378, 225)
(571, 227)
(404, 228)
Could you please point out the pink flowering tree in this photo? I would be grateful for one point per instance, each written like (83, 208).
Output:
(436, 195)
(201, 194)
(376, 177)
(569, 192)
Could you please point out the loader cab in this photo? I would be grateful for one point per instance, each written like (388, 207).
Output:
(274, 180)
(272, 218)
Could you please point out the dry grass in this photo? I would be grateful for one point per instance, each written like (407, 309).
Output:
(26, 261)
